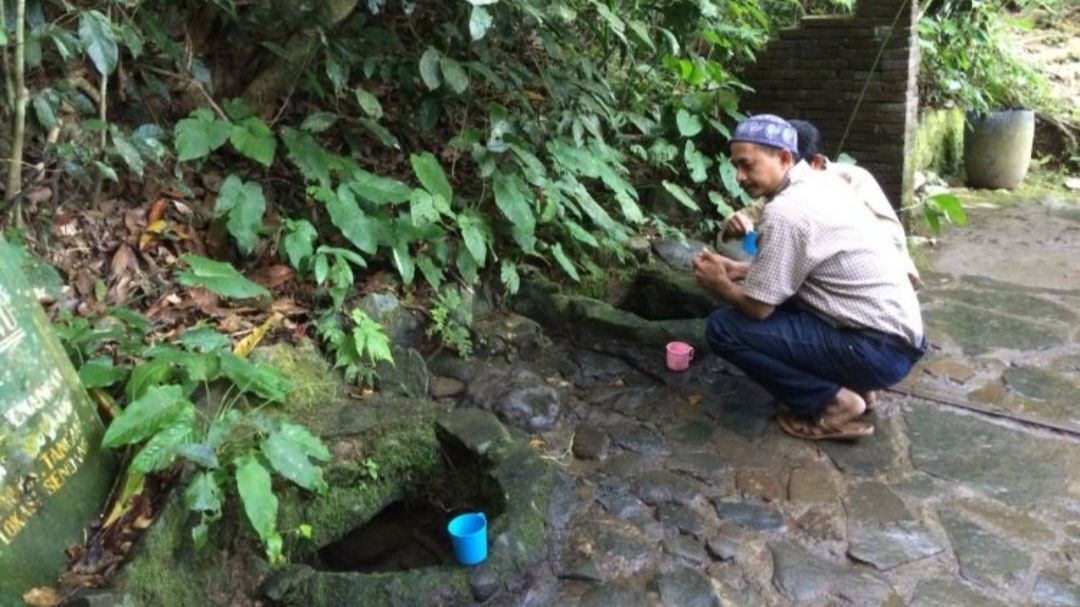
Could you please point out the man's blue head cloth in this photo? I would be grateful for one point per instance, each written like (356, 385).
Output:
(770, 130)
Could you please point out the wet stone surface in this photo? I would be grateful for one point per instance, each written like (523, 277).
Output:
(883, 532)
(985, 558)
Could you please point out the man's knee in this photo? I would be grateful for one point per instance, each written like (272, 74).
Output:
(723, 330)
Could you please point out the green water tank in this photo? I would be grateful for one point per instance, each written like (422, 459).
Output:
(54, 478)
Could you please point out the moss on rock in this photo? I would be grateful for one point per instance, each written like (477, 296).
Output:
(939, 142)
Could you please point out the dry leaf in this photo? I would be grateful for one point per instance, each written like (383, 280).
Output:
(248, 344)
(693, 399)
(273, 276)
(123, 261)
(536, 443)
(43, 596)
(157, 211)
(151, 232)
(38, 194)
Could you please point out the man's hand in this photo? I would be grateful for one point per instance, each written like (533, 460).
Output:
(738, 226)
(715, 272)
(711, 270)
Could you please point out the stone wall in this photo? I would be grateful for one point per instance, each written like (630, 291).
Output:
(817, 71)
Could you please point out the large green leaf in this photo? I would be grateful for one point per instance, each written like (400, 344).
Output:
(290, 461)
(218, 277)
(455, 76)
(472, 231)
(378, 189)
(422, 208)
(697, 162)
(689, 124)
(160, 451)
(312, 159)
(346, 214)
(431, 175)
(304, 440)
(564, 261)
(96, 37)
(260, 504)
(721, 204)
(199, 134)
(253, 139)
(384, 136)
(369, 103)
(509, 275)
(130, 155)
(318, 122)
(203, 493)
(479, 22)
(299, 240)
(403, 261)
(514, 199)
(100, 373)
(680, 194)
(204, 339)
(144, 417)
(429, 68)
(245, 205)
(257, 378)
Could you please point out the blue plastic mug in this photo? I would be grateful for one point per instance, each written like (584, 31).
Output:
(749, 243)
(468, 533)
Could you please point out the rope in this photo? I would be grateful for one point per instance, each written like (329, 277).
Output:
(1015, 417)
(869, 77)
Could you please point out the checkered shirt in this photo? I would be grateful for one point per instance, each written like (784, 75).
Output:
(820, 246)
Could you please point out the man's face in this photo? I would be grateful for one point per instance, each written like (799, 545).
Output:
(759, 169)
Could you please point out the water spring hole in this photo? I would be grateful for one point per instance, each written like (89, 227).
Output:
(410, 533)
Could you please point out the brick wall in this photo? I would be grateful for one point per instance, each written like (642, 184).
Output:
(817, 70)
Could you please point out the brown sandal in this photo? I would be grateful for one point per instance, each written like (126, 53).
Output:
(822, 430)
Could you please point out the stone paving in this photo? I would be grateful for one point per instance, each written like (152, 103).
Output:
(683, 492)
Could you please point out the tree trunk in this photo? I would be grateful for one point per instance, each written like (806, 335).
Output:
(14, 177)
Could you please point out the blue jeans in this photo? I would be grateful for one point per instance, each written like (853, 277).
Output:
(803, 361)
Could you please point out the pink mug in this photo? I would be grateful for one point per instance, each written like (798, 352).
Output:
(679, 355)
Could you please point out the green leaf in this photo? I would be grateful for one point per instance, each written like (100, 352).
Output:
(514, 199)
(290, 461)
(346, 214)
(721, 204)
(127, 152)
(369, 103)
(256, 378)
(202, 454)
(204, 339)
(509, 275)
(378, 189)
(96, 37)
(203, 494)
(384, 136)
(641, 32)
(245, 205)
(689, 124)
(100, 373)
(312, 159)
(950, 205)
(304, 440)
(432, 273)
(106, 171)
(199, 134)
(369, 338)
(257, 494)
(319, 122)
(218, 277)
(144, 417)
(147, 375)
(345, 254)
(564, 261)
(429, 69)
(473, 233)
(680, 194)
(431, 175)
(404, 262)
(253, 139)
(580, 234)
(422, 208)
(322, 269)
(454, 75)
(160, 451)
(299, 241)
(479, 22)
(697, 162)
